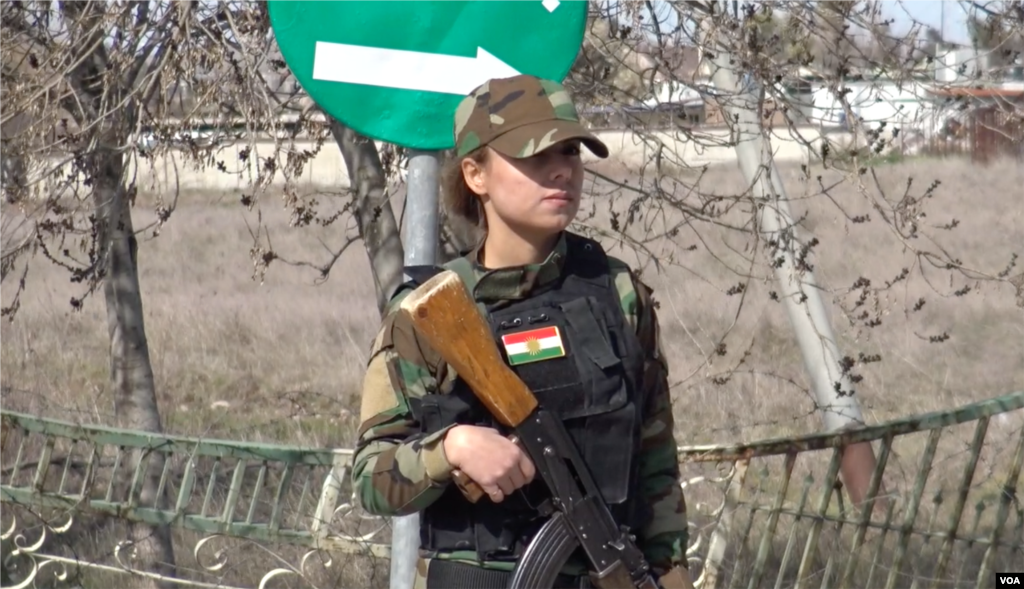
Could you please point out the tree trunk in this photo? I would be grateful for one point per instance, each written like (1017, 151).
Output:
(131, 373)
(377, 225)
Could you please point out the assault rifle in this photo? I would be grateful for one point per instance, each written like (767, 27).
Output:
(444, 314)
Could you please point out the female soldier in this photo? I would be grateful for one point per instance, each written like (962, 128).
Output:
(577, 327)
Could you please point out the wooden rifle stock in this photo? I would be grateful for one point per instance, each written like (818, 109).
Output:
(444, 314)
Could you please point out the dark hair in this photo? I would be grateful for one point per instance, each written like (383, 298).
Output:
(459, 201)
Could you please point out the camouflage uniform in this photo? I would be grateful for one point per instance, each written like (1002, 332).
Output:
(400, 470)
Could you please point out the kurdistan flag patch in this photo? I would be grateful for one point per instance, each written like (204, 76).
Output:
(534, 345)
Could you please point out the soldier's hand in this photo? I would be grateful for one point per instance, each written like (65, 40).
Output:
(496, 463)
(676, 578)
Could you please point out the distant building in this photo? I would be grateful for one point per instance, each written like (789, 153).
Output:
(956, 64)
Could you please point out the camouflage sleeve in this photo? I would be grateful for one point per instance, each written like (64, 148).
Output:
(398, 470)
(665, 538)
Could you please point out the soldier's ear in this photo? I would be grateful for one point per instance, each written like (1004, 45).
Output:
(474, 174)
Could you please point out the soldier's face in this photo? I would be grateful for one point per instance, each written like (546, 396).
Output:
(534, 195)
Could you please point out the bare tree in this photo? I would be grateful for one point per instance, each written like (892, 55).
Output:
(92, 93)
(375, 218)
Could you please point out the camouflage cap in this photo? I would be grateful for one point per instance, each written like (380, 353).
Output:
(519, 117)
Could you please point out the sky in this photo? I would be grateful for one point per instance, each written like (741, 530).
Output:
(905, 12)
(929, 12)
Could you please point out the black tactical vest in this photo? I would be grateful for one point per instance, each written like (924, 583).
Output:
(594, 388)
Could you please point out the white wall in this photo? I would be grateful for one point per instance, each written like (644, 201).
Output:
(875, 102)
(327, 168)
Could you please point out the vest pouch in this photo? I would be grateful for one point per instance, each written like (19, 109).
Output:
(597, 358)
(603, 438)
(494, 531)
(588, 379)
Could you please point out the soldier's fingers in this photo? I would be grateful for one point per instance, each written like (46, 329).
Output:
(526, 466)
(516, 476)
(496, 494)
(506, 485)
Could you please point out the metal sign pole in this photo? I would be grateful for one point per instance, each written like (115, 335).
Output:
(421, 209)
(420, 242)
(405, 541)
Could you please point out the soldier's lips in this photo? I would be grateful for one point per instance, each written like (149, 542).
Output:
(559, 197)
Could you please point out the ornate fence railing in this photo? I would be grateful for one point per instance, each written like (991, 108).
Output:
(943, 509)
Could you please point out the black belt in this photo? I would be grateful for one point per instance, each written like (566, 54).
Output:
(445, 574)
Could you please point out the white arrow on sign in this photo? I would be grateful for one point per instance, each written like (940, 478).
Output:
(409, 70)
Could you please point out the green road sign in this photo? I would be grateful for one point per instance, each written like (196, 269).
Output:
(395, 71)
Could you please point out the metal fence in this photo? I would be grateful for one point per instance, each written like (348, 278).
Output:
(982, 133)
(943, 509)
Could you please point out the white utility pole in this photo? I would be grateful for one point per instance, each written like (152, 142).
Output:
(798, 290)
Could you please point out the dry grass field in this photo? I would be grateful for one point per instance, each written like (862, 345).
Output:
(282, 360)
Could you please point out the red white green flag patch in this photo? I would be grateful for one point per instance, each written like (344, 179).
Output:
(533, 345)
